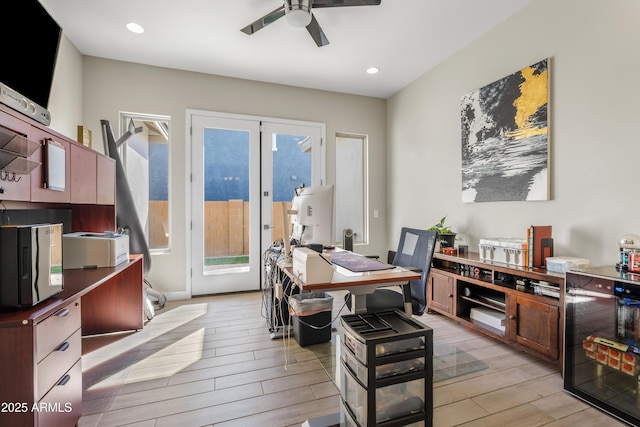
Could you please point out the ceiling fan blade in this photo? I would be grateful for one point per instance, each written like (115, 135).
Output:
(339, 3)
(264, 21)
(316, 32)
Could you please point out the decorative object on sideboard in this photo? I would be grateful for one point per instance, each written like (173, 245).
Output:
(84, 136)
(505, 138)
(629, 245)
(445, 237)
(505, 250)
(540, 245)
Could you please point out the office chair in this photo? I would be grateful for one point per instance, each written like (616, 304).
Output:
(415, 251)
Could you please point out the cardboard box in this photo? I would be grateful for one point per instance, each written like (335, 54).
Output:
(629, 368)
(93, 250)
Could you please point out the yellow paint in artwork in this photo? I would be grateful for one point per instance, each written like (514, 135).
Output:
(534, 94)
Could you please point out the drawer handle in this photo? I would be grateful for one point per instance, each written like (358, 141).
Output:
(63, 313)
(64, 380)
(64, 346)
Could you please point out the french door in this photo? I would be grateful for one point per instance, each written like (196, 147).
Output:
(244, 170)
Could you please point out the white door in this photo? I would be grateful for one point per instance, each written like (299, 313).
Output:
(233, 167)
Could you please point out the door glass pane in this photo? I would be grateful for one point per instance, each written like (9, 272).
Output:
(226, 200)
(291, 160)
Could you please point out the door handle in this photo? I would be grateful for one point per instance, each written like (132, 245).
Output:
(267, 227)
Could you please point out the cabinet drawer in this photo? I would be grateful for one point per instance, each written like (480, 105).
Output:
(62, 406)
(53, 331)
(59, 361)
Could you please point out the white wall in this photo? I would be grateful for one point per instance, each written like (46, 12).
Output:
(594, 142)
(111, 86)
(65, 100)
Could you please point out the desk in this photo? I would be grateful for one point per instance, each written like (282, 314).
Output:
(359, 284)
(40, 359)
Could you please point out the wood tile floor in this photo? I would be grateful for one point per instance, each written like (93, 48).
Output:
(209, 361)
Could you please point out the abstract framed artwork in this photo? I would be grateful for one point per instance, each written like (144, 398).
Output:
(505, 138)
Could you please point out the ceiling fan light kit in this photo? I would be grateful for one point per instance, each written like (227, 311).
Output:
(298, 12)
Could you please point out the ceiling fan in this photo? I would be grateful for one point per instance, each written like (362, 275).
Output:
(298, 13)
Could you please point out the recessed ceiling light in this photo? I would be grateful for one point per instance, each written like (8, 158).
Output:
(135, 28)
(373, 70)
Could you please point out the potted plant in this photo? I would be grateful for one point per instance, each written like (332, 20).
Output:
(445, 235)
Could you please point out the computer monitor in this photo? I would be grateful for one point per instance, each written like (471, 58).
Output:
(312, 215)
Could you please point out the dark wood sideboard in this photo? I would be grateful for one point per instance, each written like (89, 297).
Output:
(532, 321)
(41, 346)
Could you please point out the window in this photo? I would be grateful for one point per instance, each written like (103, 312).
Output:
(351, 186)
(145, 158)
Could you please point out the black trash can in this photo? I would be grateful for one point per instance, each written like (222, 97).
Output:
(311, 317)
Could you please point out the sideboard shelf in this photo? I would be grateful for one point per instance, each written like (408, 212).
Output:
(465, 288)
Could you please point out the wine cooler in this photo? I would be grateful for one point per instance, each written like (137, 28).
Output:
(602, 340)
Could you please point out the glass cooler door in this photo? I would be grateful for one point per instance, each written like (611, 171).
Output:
(602, 342)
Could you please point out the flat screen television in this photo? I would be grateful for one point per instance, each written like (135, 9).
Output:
(312, 221)
(30, 49)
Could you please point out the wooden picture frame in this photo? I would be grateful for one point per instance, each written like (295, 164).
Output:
(84, 136)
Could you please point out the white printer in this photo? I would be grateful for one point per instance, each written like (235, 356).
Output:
(92, 250)
(312, 267)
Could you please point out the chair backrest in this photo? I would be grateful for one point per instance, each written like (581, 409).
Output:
(415, 250)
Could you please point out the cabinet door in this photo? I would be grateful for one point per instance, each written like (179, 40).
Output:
(106, 185)
(534, 325)
(441, 292)
(83, 175)
(38, 192)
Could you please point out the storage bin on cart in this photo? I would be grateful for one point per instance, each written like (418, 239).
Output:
(311, 317)
(386, 370)
(505, 250)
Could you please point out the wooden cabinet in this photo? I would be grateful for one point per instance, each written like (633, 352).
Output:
(535, 324)
(41, 352)
(83, 172)
(89, 177)
(520, 306)
(106, 181)
(93, 177)
(440, 292)
(39, 357)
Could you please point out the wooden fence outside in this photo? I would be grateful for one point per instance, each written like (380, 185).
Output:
(226, 226)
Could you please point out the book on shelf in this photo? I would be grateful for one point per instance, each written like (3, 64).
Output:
(539, 244)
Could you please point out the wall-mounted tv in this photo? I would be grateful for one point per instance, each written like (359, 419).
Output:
(31, 40)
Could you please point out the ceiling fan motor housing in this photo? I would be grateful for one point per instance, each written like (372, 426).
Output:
(298, 12)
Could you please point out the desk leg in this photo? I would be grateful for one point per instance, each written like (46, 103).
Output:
(359, 303)
(406, 293)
